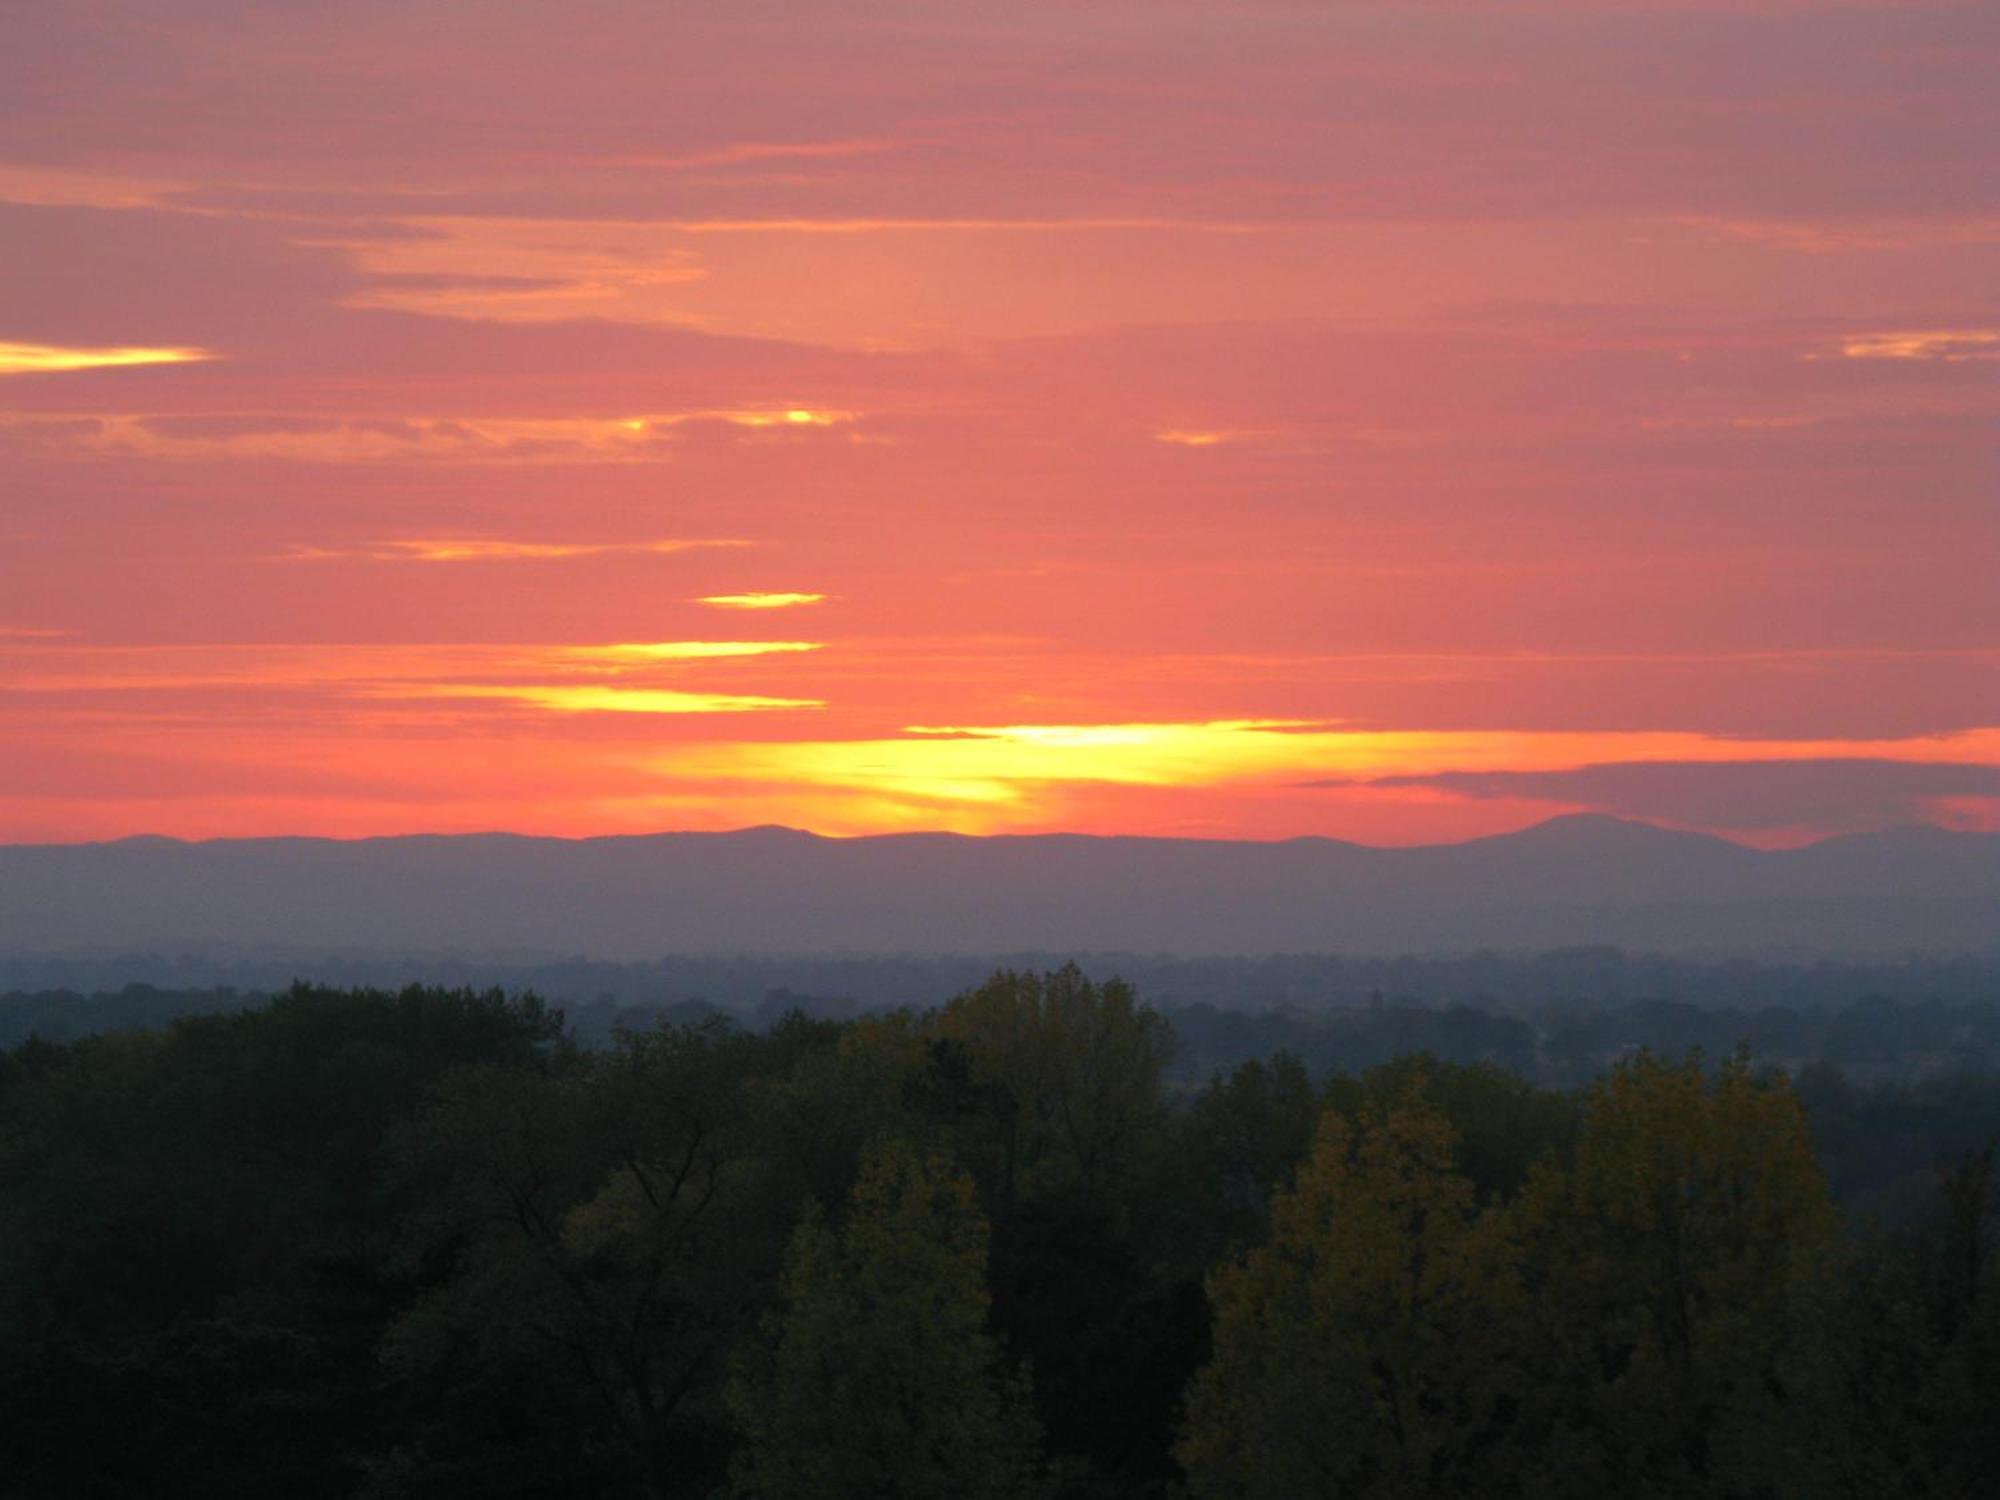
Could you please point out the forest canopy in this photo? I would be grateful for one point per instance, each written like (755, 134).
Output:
(424, 1242)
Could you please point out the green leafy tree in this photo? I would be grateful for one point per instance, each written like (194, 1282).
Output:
(1051, 1089)
(599, 1234)
(197, 1248)
(1241, 1139)
(1076, 1070)
(1903, 1374)
(881, 1379)
(1505, 1125)
(823, 1104)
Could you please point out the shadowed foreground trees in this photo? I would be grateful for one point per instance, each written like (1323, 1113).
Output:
(1673, 1263)
(369, 1244)
(198, 1239)
(881, 1377)
(1633, 1323)
(1365, 1350)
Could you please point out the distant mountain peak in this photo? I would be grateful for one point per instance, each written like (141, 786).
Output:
(1915, 835)
(1585, 832)
(1919, 840)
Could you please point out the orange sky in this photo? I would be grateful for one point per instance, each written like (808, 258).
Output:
(1400, 422)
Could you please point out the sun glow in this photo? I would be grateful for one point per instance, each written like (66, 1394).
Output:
(1000, 777)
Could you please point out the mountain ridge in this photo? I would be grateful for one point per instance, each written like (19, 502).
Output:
(773, 890)
(1563, 822)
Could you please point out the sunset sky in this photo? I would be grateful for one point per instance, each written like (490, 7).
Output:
(1386, 419)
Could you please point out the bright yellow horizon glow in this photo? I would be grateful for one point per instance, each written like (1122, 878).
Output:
(995, 775)
(758, 600)
(45, 359)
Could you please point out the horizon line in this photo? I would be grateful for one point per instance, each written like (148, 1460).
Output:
(1555, 819)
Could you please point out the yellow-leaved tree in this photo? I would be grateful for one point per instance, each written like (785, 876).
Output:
(1671, 1264)
(1362, 1351)
(880, 1378)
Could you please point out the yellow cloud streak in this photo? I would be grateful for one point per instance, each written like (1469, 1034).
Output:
(755, 600)
(38, 664)
(1204, 437)
(562, 698)
(46, 359)
(642, 652)
(641, 438)
(482, 549)
(791, 416)
(1952, 345)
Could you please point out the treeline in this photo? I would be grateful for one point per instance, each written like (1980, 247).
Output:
(1567, 1043)
(1508, 983)
(1561, 1042)
(422, 1243)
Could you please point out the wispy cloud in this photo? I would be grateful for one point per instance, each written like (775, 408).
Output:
(757, 600)
(1025, 225)
(1952, 345)
(491, 549)
(1848, 235)
(60, 187)
(645, 437)
(47, 359)
(566, 698)
(718, 274)
(187, 683)
(743, 153)
(1199, 437)
(640, 653)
